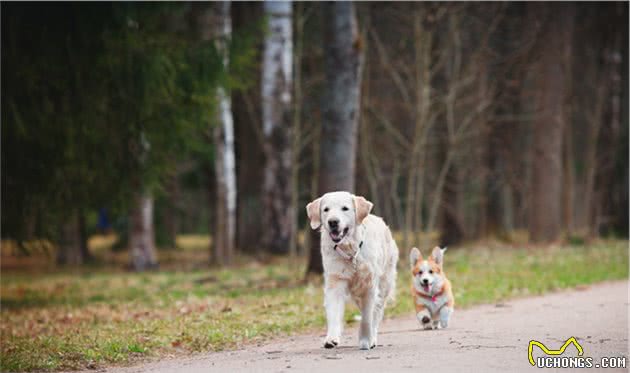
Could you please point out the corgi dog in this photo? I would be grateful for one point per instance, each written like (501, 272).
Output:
(431, 290)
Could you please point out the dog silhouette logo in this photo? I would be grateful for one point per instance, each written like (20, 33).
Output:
(547, 351)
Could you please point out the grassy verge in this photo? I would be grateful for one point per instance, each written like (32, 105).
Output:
(88, 319)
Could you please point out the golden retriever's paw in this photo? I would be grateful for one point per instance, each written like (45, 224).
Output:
(331, 342)
(373, 343)
(364, 344)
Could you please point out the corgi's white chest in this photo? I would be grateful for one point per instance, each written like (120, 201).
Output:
(434, 304)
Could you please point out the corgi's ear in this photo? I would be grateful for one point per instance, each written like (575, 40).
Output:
(312, 211)
(362, 207)
(414, 256)
(438, 255)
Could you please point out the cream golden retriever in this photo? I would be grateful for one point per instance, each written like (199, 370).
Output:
(359, 256)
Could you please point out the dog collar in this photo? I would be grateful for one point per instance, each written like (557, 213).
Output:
(346, 256)
(433, 297)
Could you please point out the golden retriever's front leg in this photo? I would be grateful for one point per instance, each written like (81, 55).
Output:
(335, 295)
(366, 338)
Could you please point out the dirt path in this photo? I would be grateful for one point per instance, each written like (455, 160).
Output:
(489, 338)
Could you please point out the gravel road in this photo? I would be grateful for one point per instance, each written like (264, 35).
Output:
(488, 338)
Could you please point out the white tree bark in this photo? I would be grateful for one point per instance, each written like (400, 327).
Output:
(277, 130)
(141, 235)
(277, 66)
(226, 164)
(225, 158)
(214, 23)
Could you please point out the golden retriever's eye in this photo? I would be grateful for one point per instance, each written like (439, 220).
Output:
(326, 209)
(431, 271)
(345, 208)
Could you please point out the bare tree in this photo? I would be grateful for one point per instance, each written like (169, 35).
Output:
(423, 74)
(341, 109)
(276, 106)
(545, 222)
(596, 117)
(435, 118)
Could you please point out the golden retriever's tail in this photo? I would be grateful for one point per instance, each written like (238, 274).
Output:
(391, 268)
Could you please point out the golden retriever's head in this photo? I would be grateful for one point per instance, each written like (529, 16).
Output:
(338, 213)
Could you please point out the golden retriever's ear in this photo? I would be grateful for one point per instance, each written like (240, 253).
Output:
(362, 207)
(414, 256)
(312, 211)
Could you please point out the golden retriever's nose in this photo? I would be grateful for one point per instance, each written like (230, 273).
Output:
(333, 224)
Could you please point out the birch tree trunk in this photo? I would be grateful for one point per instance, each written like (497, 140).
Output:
(142, 251)
(341, 109)
(225, 225)
(545, 222)
(214, 23)
(278, 216)
(141, 235)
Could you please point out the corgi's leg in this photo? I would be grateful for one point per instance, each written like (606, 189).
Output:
(445, 315)
(423, 315)
(335, 295)
(367, 315)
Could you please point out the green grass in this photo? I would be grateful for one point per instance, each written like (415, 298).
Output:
(85, 319)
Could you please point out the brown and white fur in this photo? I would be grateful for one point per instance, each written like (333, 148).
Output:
(359, 258)
(431, 290)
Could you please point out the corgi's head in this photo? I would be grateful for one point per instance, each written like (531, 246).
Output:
(428, 276)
